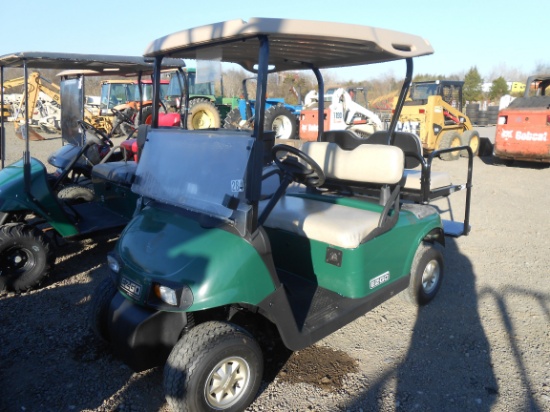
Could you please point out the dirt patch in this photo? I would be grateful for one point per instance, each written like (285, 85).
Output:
(323, 367)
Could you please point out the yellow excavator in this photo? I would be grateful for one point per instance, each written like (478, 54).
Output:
(48, 114)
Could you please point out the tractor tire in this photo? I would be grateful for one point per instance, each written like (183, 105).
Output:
(470, 138)
(216, 366)
(281, 120)
(76, 194)
(203, 114)
(26, 257)
(146, 116)
(426, 275)
(449, 139)
(233, 119)
(99, 310)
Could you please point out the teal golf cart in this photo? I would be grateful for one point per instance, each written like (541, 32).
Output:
(36, 207)
(238, 239)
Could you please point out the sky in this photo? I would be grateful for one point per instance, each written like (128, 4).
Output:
(494, 36)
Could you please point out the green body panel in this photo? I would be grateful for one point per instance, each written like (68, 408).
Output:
(391, 252)
(42, 201)
(118, 198)
(221, 268)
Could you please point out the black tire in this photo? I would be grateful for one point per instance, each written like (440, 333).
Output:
(233, 119)
(426, 275)
(197, 359)
(281, 120)
(449, 139)
(146, 112)
(26, 257)
(470, 138)
(203, 114)
(76, 194)
(99, 308)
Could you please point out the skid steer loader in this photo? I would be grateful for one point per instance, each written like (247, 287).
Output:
(433, 113)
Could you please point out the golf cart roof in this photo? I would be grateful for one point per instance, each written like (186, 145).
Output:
(294, 44)
(98, 64)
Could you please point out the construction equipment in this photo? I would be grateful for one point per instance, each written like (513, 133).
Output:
(523, 129)
(432, 111)
(205, 110)
(280, 117)
(342, 114)
(43, 102)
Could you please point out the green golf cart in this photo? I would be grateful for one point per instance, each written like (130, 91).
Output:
(37, 206)
(239, 239)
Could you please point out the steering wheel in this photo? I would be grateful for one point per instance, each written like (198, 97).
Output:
(287, 158)
(103, 136)
(122, 116)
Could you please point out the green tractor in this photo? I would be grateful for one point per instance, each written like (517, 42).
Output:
(239, 241)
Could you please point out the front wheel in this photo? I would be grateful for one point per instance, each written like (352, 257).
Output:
(281, 120)
(26, 257)
(426, 275)
(76, 194)
(216, 366)
(99, 308)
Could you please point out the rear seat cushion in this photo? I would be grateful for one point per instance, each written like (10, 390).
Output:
(437, 179)
(118, 172)
(337, 225)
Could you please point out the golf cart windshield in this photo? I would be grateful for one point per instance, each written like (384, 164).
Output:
(210, 173)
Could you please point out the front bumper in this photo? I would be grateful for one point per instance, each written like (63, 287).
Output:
(141, 337)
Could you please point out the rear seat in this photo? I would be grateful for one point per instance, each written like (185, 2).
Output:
(439, 182)
(334, 224)
(122, 172)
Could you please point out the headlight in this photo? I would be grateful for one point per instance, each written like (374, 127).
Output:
(113, 263)
(179, 296)
(166, 294)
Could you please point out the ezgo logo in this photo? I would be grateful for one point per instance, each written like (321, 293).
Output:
(378, 280)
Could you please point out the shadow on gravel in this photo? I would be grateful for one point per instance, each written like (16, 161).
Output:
(49, 358)
(495, 161)
(448, 365)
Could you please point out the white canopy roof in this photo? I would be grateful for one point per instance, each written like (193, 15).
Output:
(294, 44)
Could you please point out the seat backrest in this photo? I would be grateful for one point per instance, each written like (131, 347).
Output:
(408, 142)
(372, 163)
(345, 139)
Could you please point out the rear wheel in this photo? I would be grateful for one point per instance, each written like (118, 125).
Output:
(203, 114)
(233, 119)
(450, 139)
(426, 275)
(470, 138)
(216, 366)
(26, 257)
(281, 120)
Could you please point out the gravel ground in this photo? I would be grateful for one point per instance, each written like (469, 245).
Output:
(482, 345)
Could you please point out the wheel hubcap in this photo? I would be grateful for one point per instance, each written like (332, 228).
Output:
(430, 277)
(202, 120)
(282, 127)
(227, 382)
(17, 260)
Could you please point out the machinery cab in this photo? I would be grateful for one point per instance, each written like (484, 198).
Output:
(523, 129)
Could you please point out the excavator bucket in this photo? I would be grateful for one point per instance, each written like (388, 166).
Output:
(31, 132)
